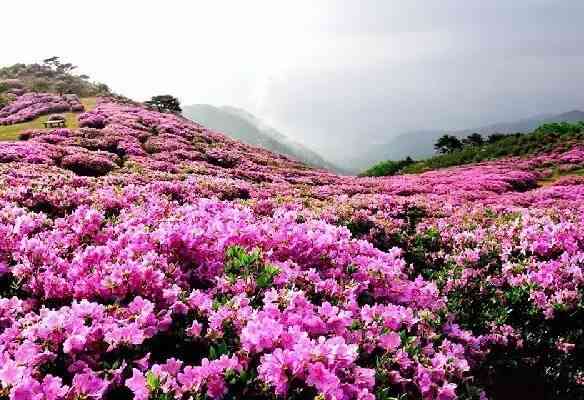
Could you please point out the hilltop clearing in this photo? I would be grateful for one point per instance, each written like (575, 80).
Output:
(11, 131)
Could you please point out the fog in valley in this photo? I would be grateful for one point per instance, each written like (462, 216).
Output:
(340, 77)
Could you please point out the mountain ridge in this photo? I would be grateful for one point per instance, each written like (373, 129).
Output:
(243, 125)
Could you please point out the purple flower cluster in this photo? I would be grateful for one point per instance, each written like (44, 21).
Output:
(29, 106)
(144, 256)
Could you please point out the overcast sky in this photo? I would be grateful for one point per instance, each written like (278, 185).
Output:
(329, 73)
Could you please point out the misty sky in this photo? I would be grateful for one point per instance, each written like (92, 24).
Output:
(332, 74)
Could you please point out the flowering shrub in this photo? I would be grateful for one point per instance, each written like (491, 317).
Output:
(143, 256)
(88, 164)
(29, 106)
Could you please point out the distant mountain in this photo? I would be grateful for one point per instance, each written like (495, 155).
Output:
(420, 144)
(525, 125)
(244, 126)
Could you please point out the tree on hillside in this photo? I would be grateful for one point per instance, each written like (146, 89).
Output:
(51, 75)
(389, 167)
(495, 137)
(165, 103)
(474, 139)
(62, 87)
(447, 144)
(40, 85)
(51, 60)
(102, 88)
(54, 63)
(66, 82)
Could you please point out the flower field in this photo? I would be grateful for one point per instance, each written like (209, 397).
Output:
(143, 256)
(29, 106)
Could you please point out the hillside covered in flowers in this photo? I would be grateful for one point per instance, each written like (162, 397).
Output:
(144, 256)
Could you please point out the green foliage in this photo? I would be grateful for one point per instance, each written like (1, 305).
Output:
(495, 137)
(561, 128)
(153, 381)
(447, 144)
(54, 76)
(240, 263)
(216, 351)
(154, 385)
(266, 277)
(102, 88)
(388, 167)
(40, 85)
(164, 103)
(420, 246)
(11, 286)
(474, 139)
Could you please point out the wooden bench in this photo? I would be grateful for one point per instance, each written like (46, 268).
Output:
(55, 124)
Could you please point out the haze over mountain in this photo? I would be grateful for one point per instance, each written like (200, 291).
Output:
(419, 144)
(244, 126)
(334, 75)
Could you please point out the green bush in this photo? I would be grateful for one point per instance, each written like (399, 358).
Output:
(388, 167)
(40, 85)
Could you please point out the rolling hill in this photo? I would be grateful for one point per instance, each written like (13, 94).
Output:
(241, 125)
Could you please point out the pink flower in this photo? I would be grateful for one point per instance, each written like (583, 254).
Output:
(74, 343)
(260, 334)
(364, 377)
(3, 268)
(195, 329)
(321, 378)
(89, 384)
(53, 388)
(390, 341)
(27, 390)
(365, 395)
(275, 367)
(137, 384)
(447, 392)
(216, 387)
(191, 378)
(10, 373)
(143, 362)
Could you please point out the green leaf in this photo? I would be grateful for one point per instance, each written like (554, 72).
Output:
(266, 277)
(152, 381)
(212, 353)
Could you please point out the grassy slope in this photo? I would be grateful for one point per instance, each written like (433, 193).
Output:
(557, 174)
(545, 138)
(10, 132)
